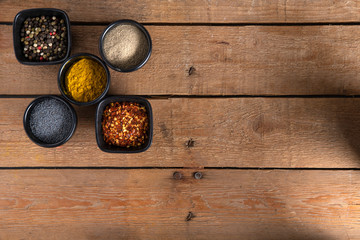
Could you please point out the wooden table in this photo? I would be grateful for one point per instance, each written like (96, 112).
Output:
(261, 97)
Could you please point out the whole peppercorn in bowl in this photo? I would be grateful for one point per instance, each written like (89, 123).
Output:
(124, 124)
(41, 36)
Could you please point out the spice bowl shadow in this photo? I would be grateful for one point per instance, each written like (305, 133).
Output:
(37, 12)
(133, 59)
(62, 78)
(68, 110)
(98, 124)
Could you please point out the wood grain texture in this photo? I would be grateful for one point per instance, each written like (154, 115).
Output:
(150, 204)
(226, 132)
(196, 11)
(253, 60)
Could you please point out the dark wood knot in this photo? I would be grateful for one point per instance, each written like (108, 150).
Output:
(189, 216)
(191, 70)
(190, 143)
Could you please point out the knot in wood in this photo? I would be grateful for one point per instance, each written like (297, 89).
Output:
(189, 216)
(190, 143)
(191, 70)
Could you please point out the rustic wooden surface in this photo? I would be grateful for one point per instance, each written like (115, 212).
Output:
(196, 11)
(143, 204)
(228, 60)
(226, 132)
(269, 114)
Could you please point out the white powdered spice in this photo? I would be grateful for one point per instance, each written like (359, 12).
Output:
(125, 46)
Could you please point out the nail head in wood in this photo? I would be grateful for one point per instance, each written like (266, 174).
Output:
(198, 175)
(177, 175)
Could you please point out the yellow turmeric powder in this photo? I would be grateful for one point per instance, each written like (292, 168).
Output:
(85, 80)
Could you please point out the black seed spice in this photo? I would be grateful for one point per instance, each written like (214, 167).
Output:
(44, 38)
(50, 121)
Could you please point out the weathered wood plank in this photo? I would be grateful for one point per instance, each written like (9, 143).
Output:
(227, 132)
(150, 204)
(257, 60)
(196, 11)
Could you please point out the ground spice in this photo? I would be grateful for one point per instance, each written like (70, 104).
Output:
(125, 46)
(125, 124)
(85, 80)
(50, 121)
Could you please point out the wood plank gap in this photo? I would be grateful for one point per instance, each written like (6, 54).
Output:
(234, 24)
(206, 96)
(248, 96)
(184, 168)
(25, 96)
(243, 24)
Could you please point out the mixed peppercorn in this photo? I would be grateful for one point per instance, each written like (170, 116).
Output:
(44, 38)
(125, 124)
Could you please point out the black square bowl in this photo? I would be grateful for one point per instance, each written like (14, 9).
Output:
(98, 129)
(37, 12)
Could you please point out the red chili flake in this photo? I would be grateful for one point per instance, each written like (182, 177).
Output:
(50, 34)
(125, 124)
(39, 47)
(41, 58)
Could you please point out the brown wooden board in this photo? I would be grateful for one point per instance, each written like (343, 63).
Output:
(253, 60)
(150, 204)
(210, 132)
(196, 11)
(224, 59)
